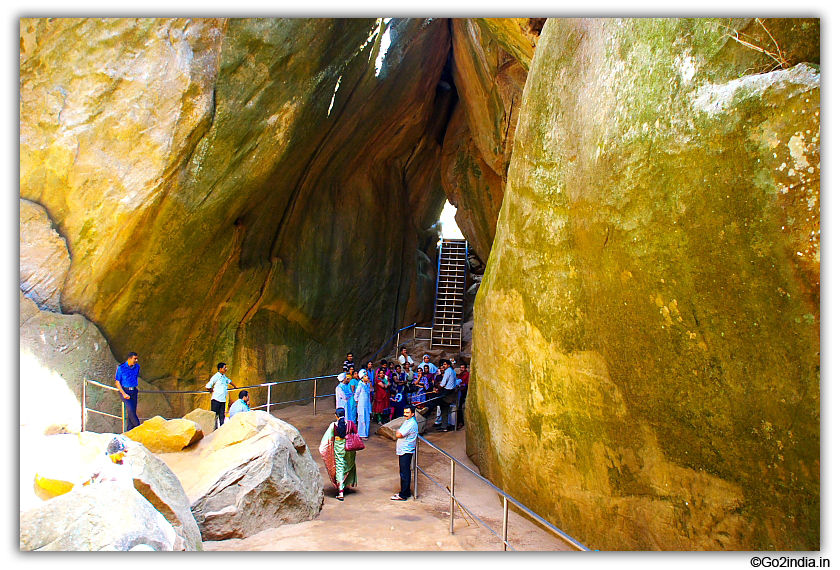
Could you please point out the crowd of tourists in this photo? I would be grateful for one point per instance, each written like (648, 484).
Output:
(370, 394)
(381, 394)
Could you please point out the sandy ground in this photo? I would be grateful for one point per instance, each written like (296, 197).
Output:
(368, 520)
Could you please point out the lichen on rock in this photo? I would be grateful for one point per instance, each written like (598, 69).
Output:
(646, 342)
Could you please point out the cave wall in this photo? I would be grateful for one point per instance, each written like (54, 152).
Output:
(646, 342)
(490, 62)
(646, 348)
(246, 190)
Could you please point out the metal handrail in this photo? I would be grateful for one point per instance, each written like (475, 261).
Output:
(267, 405)
(414, 328)
(507, 499)
(387, 342)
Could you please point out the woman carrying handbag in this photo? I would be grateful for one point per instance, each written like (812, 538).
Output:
(339, 460)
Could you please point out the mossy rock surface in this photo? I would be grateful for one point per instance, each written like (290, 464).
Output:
(246, 190)
(646, 348)
(490, 60)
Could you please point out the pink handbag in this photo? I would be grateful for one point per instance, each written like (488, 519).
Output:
(353, 442)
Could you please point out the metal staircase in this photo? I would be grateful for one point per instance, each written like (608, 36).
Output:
(449, 293)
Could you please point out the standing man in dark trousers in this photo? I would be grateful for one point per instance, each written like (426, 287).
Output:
(448, 395)
(126, 379)
(464, 377)
(218, 384)
(406, 444)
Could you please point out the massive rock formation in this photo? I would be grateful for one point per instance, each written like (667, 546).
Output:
(264, 192)
(647, 337)
(491, 58)
(44, 260)
(253, 473)
(241, 190)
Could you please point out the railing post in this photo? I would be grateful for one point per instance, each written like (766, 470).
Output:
(122, 405)
(84, 400)
(505, 522)
(398, 346)
(268, 402)
(416, 450)
(315, 399)
(451, 496)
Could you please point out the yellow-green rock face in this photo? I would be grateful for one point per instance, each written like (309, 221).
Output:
(490, 60)
(247, 191)
(646, 347)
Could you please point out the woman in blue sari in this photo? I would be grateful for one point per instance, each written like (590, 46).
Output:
(363, 399)
(350, 410)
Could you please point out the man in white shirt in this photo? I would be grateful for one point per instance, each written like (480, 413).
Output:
(406, 445)
(240, 405)
(218, 384)
(341, 391)
(406, 360)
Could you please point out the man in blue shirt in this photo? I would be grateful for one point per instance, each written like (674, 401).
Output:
(218, 384)
(240, 405)
(448, 394)
(406, 444)
(126, 379)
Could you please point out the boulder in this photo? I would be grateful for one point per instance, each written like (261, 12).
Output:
(389, 430)
(647, 331)
(253, 473)
(57, 464)
(206, 419)
(161, 487)
(165, 436)
(44, 259)
(102, 516)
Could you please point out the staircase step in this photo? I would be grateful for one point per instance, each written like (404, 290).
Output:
(451, 284)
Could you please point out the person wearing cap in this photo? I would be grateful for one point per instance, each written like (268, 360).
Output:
(218, 384)
(340, 463)
(406, 445)
(343, 393)
(240, 405)
(126, 379)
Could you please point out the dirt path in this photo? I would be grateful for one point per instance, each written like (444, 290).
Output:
(368, 520)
